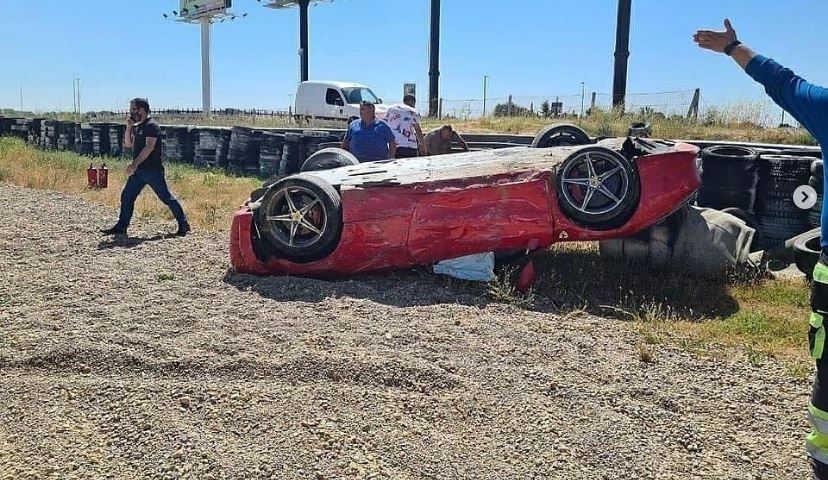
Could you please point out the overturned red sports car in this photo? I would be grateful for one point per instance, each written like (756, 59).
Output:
(401, 213)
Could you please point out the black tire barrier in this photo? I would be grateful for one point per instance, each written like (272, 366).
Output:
(817, 184)
(20, 128)
(65, 135)
(33, 131)
(785, 168)
(292, 155)
(313, 141)
(243, 156)
(270, 154)
(815, 213)
(176, 144)
(83, 138)
(223, 147)
(116, 139)
(205, 153)
(100, 139)
(780, 219)
(816, 168)
(48, 138)
(729, 178)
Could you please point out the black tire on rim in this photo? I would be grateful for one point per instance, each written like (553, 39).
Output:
(560, 135)
(301, 218)
(329, 158)
(598, 188)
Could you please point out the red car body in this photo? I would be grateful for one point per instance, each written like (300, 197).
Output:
(401, 214)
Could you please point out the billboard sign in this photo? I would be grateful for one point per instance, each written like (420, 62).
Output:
(409, 89)
(193, 9)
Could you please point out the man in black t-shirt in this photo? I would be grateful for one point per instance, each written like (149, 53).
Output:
(143, 135)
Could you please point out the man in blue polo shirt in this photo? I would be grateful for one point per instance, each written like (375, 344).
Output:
(808, 103)
(370, 139)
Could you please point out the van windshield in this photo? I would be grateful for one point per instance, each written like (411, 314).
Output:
(357, 95)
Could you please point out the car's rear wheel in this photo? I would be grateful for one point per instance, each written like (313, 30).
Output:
(598, 188)
(561, 135)
(301, 218)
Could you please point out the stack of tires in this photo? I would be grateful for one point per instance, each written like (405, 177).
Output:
(48, 137)
(208, 144)
(729, 178)
(223, 147)
(270, 154)
(116, 139)
(175, 146)
(243, 157)
(20, 128)
(65, 135)
(313, 142)
(817, 182)
(779, 217)
(5, 126)
(83, 138)
(100, 139)
(292, 157)
(33, 131)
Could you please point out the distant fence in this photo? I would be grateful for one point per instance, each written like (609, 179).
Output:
(229, 112)
(668, 103)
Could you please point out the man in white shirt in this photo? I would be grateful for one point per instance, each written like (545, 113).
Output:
(405, 123)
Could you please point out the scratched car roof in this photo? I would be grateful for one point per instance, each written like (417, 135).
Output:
(455, 166)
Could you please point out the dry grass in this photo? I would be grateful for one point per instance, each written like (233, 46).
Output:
(762, 316)
(613, 124)
(210, 198)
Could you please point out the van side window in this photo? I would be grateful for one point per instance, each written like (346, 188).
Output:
(333, 98)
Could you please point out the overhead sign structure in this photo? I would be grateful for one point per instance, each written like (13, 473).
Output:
(204, 12)
(195, 9)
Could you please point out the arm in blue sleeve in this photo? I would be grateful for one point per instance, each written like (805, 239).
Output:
(807, 103)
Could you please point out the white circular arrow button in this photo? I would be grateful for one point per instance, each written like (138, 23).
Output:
(805, 197)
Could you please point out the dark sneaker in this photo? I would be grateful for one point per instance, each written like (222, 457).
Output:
(116, 230)
(183, 230)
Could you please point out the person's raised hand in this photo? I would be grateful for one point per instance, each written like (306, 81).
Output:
(716, 41)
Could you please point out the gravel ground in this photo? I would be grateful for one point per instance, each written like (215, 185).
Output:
(150, 359)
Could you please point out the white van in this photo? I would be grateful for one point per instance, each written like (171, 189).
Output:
(334, 100)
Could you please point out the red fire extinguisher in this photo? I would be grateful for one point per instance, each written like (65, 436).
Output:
(92, 177)
(103, 176)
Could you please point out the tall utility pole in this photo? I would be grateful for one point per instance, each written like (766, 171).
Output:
(485, 91)
(79, 96)
(434, 61)
(206, 80)
(622, 53)
(74, 98)
(583, 94)
(304, 54)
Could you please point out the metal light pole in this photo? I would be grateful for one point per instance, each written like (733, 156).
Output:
(434, 61)
(485, 89)
(206, 87)
(583, 93)
(304, 47)
(622, 53)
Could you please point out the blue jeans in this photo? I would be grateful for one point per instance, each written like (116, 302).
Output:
(136, 182)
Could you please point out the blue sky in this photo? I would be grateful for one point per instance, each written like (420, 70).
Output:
(122, 48)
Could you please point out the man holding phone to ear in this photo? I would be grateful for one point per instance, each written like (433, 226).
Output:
(143, 135)
(809, 105)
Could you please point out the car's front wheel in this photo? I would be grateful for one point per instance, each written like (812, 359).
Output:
(598, 188)
(301, 218)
